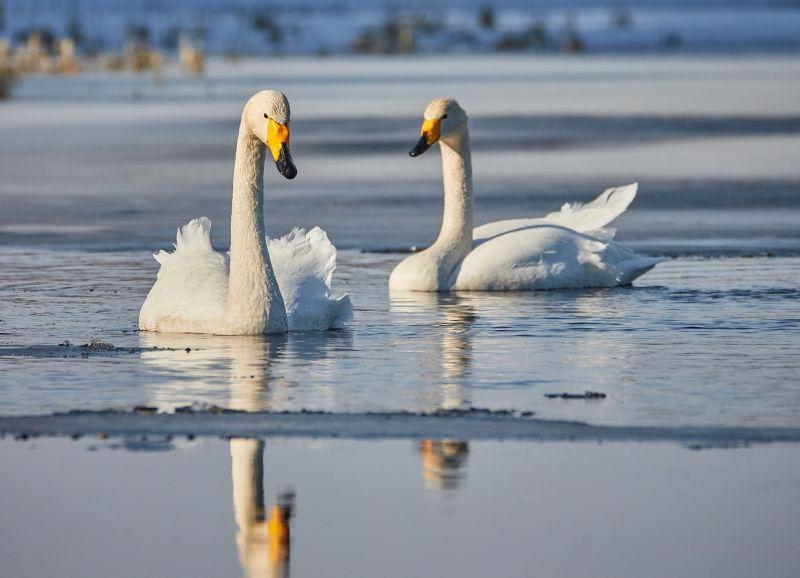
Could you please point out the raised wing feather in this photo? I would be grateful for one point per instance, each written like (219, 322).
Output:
(584, 218)
(192, 282)
(304, 263)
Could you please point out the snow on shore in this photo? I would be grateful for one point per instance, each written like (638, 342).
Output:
(325, 27)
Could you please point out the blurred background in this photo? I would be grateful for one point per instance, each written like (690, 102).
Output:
(119, 117)
(99, 28)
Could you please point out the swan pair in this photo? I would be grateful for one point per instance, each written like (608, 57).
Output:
(273, 286)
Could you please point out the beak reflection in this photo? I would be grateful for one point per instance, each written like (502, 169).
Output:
(443, 463)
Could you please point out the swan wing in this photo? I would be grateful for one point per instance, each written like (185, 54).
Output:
(192, 283)
(548, 257)
(304, 263)
(584, 218)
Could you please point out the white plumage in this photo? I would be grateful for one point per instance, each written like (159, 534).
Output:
(304, 263)
(192, 283)
(571, 248)
(585, 218)
(262, 285)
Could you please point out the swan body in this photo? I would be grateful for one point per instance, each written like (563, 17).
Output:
(571, 248)
(262, 285)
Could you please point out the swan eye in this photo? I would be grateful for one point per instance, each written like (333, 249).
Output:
(266, 115)
(444, 117)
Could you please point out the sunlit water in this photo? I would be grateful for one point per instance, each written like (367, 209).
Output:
(697, 341)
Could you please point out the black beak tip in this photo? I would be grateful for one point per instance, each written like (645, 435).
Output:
(421, 146)
(285, 164)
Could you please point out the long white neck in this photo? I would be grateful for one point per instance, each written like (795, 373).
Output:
(455, 237)
(254, 304)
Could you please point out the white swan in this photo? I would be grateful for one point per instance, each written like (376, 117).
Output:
(263, 285)
(568, 249)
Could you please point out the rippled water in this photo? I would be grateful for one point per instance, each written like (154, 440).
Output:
(697, 341)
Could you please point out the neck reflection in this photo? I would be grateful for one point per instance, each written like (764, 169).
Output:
(263, 541)
(444, 461)
(240, 365)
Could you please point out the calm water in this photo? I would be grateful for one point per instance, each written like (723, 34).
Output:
(96, 172)
(301, 507)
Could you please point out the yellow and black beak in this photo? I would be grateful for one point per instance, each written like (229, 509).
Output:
(278, 143)
(430, 133)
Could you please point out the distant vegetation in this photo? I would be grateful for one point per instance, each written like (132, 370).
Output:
(41, 52)
(145, 40)
(142, 40)
(7, 78)
(409, 31)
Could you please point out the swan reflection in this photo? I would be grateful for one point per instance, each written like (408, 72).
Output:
(248, 372)
(213, 369)
(262, 539)
(444, 461)
(240, 365)
(447, 347)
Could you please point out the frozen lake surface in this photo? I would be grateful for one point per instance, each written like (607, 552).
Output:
(96, 172)
(275, 507)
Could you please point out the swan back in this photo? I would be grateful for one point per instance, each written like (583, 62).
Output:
(548, 256)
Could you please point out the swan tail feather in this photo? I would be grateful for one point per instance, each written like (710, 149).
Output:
(161, 257)
(192, 281)
(344, 312)
(196, 234)
(302, 254)
(632, 269)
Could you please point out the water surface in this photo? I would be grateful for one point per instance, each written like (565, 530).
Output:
(276, 507)
(97, 171)
(698, 341)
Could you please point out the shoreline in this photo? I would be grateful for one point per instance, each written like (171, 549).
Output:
(457, 424)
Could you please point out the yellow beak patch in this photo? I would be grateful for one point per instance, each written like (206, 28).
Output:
(277, 136)
(432, 130)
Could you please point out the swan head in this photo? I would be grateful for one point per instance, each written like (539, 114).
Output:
(267, 117)
(444, 120)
